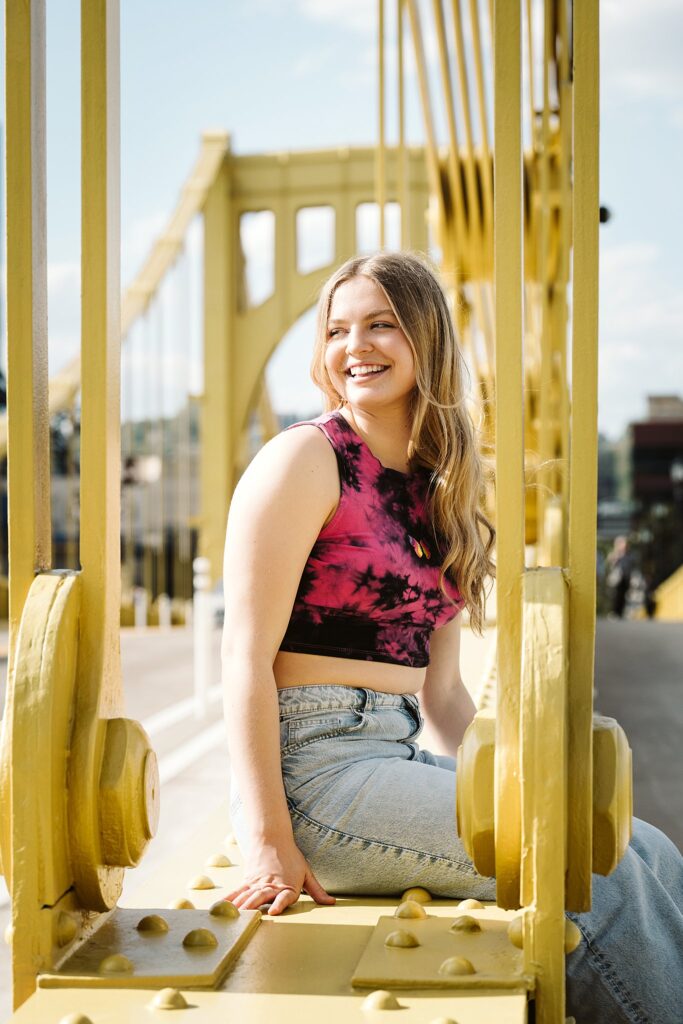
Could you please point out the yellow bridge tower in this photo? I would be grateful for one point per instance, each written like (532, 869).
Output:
(510, 202)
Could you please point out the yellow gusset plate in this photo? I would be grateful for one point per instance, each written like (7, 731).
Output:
(156, 960)
(497, 963)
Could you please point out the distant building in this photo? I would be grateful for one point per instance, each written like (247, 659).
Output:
(656, 448)
(615, 507)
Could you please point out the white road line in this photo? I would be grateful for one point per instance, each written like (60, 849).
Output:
(173, 764)
(175, 713)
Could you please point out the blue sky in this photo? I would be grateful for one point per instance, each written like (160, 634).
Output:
(301, 74)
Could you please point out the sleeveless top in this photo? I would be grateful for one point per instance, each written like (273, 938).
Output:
(370, 588)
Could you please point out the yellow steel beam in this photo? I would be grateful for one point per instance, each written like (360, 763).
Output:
(542, 201)
(402, 153)
(433, 167)
(544, 792)
(583, 459)
(509, 440)
(29, 462)
(381, 140)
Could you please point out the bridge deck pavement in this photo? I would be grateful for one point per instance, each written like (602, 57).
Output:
(639, 681)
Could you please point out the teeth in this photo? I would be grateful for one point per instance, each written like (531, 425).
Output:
(360, 371)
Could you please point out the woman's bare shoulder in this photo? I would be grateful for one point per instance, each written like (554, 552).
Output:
(294, 466)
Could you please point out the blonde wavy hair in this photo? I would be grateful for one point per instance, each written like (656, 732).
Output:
(443, 436)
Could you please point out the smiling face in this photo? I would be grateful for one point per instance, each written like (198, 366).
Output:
(368, 357)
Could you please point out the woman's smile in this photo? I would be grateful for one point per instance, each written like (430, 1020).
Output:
(367, 352)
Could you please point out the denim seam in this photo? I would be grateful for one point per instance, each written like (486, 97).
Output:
(606, 970)
(434, 858)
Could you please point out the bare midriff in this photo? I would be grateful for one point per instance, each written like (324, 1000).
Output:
(293, 669)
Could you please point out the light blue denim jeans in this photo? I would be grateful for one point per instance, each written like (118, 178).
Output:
(374, 814)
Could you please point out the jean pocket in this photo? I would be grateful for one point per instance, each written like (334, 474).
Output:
(311, 726)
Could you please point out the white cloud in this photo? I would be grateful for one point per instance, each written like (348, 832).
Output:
(641, 333)
(355, 14)
(640, 49)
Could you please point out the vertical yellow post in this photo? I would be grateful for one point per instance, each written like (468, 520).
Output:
(544, 792)
(218, 433)
(583, 464)
(545, 404)
(402, 150)
(28, 466)
(101, 345)
(381, 145)
(509, 439)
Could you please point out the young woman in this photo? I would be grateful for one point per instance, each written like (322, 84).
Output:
(353, 542)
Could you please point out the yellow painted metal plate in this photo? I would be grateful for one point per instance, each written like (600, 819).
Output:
(156, 959)
(496, 962)
(132, 1007)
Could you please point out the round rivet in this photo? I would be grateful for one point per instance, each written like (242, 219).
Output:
(152, 923)
(572, 936)
(401, 940)
(66, 929)
(411, 909)
(200, 937)
(443, 1020)
(381, 1000)
(470, 905)
(75, 1018)
(219, 860)
(168, 999)
(201, 882)
(230, 839)
(465, 923)
(224, 908)
(456, 965)
(117, 963)
(516, 932)
(182, 905)
(418, 895)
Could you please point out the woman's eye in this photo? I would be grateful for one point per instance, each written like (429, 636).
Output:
(380, 324)
(333, 332)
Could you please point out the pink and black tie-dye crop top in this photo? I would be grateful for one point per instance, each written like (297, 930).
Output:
(370, 588)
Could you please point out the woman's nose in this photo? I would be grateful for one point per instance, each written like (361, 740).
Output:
(358, 340)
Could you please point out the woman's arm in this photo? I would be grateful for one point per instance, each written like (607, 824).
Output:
(277, 511)
(445, 703)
